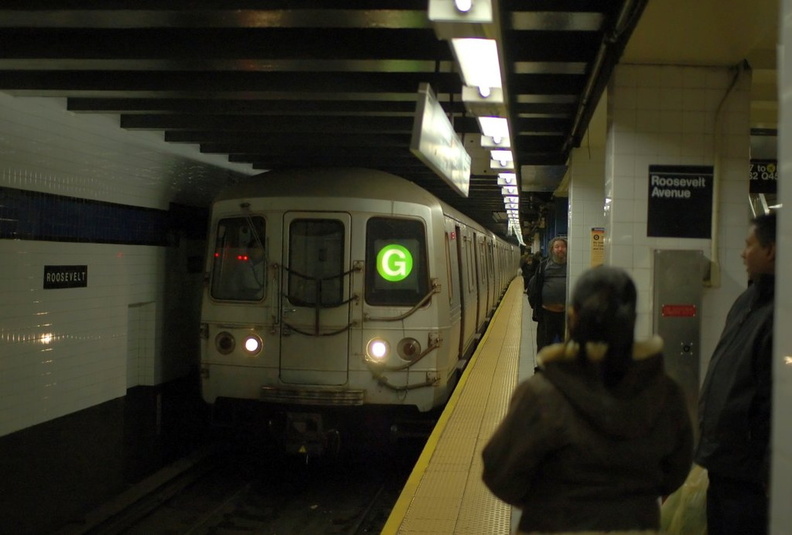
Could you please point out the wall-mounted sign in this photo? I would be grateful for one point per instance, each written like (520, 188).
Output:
(597, 246)
(394, 263)
(764, 176)
(679, 311)
(680, 201)
(436, 144)
(65, 277)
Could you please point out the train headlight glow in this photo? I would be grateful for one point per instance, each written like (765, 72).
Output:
(409, 348)
(225, 343)
(378, 349)
(253, 344)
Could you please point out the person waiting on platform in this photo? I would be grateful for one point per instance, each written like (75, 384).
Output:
(593, 442)
(547, 295)
(528, 265)
(735, 405)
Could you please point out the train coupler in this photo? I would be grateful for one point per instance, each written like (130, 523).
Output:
(305, 435)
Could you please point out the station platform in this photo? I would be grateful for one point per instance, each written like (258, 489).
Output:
(445, 493)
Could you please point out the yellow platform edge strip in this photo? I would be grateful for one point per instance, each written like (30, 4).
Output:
(402, 505)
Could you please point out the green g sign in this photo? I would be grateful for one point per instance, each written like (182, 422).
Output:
(394, 263)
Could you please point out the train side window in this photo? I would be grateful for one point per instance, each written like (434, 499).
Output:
(316, 262)
(396, 268)
(239, 265)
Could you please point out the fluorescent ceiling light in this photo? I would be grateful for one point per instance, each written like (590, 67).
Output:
(489, 142)
(501, 164)
(495, 127)
(509, 190)
(510, 198)
(502, 155)
(511, 205)
(478, 60)
(507, 179)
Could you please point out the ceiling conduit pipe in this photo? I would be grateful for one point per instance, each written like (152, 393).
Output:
(627, 19)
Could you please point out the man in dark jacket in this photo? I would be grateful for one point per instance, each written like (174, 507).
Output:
(547, 295)
(735, 402)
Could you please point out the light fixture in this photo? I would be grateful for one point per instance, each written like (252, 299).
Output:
(502, 155)
(478, 103)
(450, 18)
(478, 61)
(495, 127)
(463, 6)
(501, 164)
(509, 190)
(511, 206)
(510, 198)
(489, 142)
(507, 179)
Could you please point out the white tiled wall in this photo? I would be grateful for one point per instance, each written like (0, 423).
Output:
(781, 492)
(65, 350)
(586, 206)
(669, 115)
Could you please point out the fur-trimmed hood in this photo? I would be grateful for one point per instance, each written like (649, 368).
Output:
(628, 410)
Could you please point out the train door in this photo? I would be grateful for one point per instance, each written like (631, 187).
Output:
(461, 287)
(315, 309)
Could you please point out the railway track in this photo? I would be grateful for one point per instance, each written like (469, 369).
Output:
(223, 490)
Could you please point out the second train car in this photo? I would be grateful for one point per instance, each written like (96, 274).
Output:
(335, 293)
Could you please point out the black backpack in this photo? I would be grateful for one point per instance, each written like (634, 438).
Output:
(535, 289)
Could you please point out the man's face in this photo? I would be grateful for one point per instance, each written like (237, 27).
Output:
(757, 259)
(559, 252)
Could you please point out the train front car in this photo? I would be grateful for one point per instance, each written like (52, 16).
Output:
(326, 305)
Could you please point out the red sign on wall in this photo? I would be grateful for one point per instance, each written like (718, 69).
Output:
(679, 311)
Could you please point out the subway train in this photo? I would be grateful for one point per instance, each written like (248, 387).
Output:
(334, 296)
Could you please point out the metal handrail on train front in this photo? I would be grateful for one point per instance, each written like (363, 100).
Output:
(318, 305)
(435, 289)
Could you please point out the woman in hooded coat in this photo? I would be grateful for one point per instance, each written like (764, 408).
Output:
(600, 433)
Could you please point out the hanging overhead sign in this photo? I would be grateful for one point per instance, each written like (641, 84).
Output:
(680, 201)
(437, 145)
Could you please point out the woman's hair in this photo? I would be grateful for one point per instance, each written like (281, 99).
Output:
(604, 302)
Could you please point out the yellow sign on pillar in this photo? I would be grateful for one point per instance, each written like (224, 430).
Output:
(597, 246)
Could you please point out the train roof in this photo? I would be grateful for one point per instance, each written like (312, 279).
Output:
(341, 182)
(329, 183)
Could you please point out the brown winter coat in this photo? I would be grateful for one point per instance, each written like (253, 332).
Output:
(576, 456)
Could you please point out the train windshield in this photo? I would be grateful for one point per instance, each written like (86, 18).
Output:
(239, 268)
(396, 270)
(316, 262)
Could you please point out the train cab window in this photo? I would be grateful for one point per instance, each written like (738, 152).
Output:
(239, 267)
(316, 262)
(396, 268)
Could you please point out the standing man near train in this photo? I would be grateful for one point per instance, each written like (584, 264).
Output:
(547, 295)
(735, 402)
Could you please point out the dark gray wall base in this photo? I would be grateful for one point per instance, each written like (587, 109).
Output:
(54, 473)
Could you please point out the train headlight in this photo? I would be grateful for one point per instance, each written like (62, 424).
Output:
(378, 350)
(225, 343)
(253, 344)
(409, 348)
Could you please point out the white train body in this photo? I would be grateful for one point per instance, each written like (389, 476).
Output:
(354, 288)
